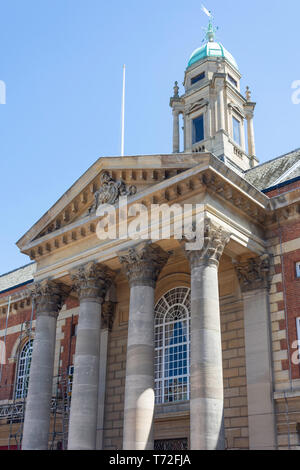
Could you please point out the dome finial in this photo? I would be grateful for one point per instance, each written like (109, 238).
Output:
(210, 30)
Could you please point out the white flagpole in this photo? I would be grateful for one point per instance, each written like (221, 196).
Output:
(123, 112)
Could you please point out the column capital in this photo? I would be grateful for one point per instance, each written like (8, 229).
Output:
(91, 281)
(253, 274)
(215, 240)
(143, 264)
(108, 314)
(49, 297)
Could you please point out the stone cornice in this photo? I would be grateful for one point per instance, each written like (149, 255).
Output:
(253, 274)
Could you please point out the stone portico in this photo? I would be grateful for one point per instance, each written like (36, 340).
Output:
(227, 277)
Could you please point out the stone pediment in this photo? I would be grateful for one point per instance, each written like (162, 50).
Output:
(147, 180)
(104, 182)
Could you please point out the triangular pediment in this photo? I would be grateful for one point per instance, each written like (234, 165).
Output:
(111, 177)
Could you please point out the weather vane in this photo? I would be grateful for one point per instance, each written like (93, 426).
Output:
(210, 30)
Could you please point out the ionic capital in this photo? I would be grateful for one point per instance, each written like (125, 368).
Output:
(143, 264)
(49, 297)
(215, 238)
(91, 281)
(253, 274)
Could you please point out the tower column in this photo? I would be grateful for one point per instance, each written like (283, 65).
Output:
(91, 282)
(176, 141)
(221, 112)
(48, 297)
(206, 369)
(251, 138)
(142, 266)
(208, 130)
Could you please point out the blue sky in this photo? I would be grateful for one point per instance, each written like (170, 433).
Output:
(62, 62)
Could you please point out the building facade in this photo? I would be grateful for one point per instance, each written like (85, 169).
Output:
(137, 342)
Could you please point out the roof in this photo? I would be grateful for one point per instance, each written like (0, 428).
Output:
(17, 277)
(212, 49)
(276, 171)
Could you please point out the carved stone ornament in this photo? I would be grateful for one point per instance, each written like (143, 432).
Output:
(108, 314)
(143, 264)
(214, 242)
(254, 273)
(91, 281)
(49, 297)
(110, 191)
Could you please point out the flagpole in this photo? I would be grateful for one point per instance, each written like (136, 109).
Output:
(123, 112)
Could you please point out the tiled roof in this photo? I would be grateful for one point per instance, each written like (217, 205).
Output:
(267, 174)
(18, 276)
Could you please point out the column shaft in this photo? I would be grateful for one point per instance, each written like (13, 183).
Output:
(48, 297)
(206, 369)
(91, 282)
(251, 140)
(142, 266)
(37, 415)
(83, 416)
(207, 400)
(221, 114)
(139, 387)
(176, 142)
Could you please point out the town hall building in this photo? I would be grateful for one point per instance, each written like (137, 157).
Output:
(142, 344)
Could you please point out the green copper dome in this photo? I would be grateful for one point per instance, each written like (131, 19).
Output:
(212, 49)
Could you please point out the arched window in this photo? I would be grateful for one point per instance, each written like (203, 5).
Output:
(23, 370)
(172, 346)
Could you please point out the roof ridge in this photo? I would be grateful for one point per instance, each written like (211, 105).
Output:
(273, 159)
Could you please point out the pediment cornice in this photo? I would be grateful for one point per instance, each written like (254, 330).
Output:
(159, 186)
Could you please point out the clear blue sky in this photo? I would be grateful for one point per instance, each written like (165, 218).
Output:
(62, 62)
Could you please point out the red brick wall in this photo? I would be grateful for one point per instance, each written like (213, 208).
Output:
(283, 189)
(290, 287)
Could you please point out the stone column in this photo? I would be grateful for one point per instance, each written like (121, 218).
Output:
(250, 131)
(208, 122)
(221, 112)
(107, 315)
(206, 370)
(176, 143)
(254, 280)
(91, 282)
(48, 297)
(142, 266)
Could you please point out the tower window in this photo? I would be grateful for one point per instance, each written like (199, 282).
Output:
(236, 130)
(232, 80)
(198, 78)
(198, 129)
(298, 269)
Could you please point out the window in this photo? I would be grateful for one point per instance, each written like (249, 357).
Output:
(236, 131)
(232, 80)
(197, 78)
(298, 269)
(198, 129)
(172, 346)
(23, 370)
